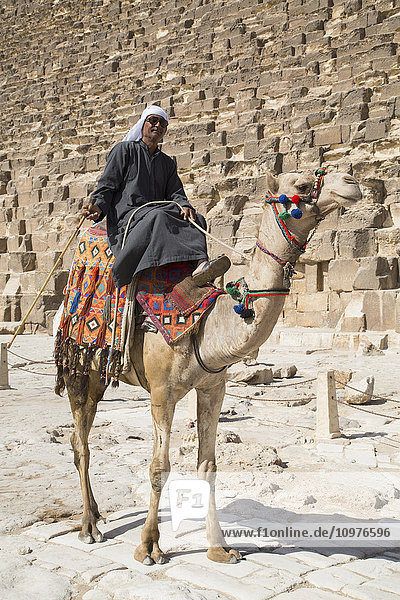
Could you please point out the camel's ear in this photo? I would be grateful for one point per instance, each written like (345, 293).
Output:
(272, 183)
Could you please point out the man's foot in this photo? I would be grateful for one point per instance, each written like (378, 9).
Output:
(212, 269)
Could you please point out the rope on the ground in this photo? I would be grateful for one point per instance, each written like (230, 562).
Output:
(282, 385)
(30, 360)
(32, 372)
(247, 397)
(273, 387)
(290, 425)
(367, 411)
(366, 393)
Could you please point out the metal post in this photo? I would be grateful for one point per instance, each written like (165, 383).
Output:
(4, 384)
(327, 412)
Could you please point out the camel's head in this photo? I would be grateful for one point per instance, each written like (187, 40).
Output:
(338, 189)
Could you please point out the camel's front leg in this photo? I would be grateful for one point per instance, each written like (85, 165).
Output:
(162, 407)
(208, 410)
(83, 407)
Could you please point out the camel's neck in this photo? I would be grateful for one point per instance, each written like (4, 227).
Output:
(228, 337)
(266, 272)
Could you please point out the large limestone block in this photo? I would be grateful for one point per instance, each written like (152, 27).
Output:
(224, 227)
(13, 286)
(314, 277)
(362, 217)
(356, 244)
(365, 385)
(313, 302)
(22, 261)
(254, 374)
(353, 318)
(321, 247)
(377, 273)
(311, 319)
(397, 314)
(380, 309)
(328, 136)
(395, 213)
(388, 241)
(341, 275)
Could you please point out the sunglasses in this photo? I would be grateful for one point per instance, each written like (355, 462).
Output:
(155, 120)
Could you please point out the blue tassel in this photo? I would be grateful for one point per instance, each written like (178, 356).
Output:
(75, 303)
(238, 308)
(296, 213)
(283, 198)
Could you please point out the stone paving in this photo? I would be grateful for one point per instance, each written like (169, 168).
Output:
(50, 557)
(42, 558)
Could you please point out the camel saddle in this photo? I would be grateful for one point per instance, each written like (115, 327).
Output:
(167, 294)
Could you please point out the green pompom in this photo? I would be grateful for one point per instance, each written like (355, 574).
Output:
(233, 291)
(284, 215)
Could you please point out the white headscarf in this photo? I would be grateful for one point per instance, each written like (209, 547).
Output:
(135, 132)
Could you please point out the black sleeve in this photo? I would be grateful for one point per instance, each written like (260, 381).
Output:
(174, 190)
(112, 178)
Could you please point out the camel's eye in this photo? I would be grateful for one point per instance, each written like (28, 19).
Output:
(303, 188)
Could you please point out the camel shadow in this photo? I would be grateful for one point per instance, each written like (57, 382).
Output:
(252, 528)
(286, 524)
(137, 522)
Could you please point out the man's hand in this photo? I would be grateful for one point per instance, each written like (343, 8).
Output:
(187, 212)
(92, 212)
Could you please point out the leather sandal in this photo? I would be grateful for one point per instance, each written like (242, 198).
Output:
(211, 270)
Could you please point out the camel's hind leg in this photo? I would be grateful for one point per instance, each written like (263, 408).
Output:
(83, 407)
(163, 408)
(208, 410)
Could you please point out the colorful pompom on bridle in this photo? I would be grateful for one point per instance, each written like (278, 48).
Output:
(285, 200)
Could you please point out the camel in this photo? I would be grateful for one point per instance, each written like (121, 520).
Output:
(223, 338)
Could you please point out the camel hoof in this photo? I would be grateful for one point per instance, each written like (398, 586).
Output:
(235, 554)
(148, 561)
(85, 538)
(161, 560)
(222, 555)
(98, 536)
(233, 560)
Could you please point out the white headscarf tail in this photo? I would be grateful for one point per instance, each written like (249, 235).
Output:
(135, 132)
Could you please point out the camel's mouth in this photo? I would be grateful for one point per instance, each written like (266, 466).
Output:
(348, 190)
(351, 194)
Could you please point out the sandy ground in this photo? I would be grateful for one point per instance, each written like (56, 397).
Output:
(351, 479)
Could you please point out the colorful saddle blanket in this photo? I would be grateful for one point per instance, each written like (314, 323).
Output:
(173, 304)
(90, 304)
(90, 294)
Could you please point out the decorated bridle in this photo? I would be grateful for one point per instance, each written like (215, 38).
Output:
(296, 213)
(239, 289)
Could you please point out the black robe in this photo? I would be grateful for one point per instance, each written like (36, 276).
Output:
(157, 235)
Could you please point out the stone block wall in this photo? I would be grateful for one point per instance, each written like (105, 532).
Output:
(251, 86)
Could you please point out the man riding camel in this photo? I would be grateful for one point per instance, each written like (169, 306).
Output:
(142, 231)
